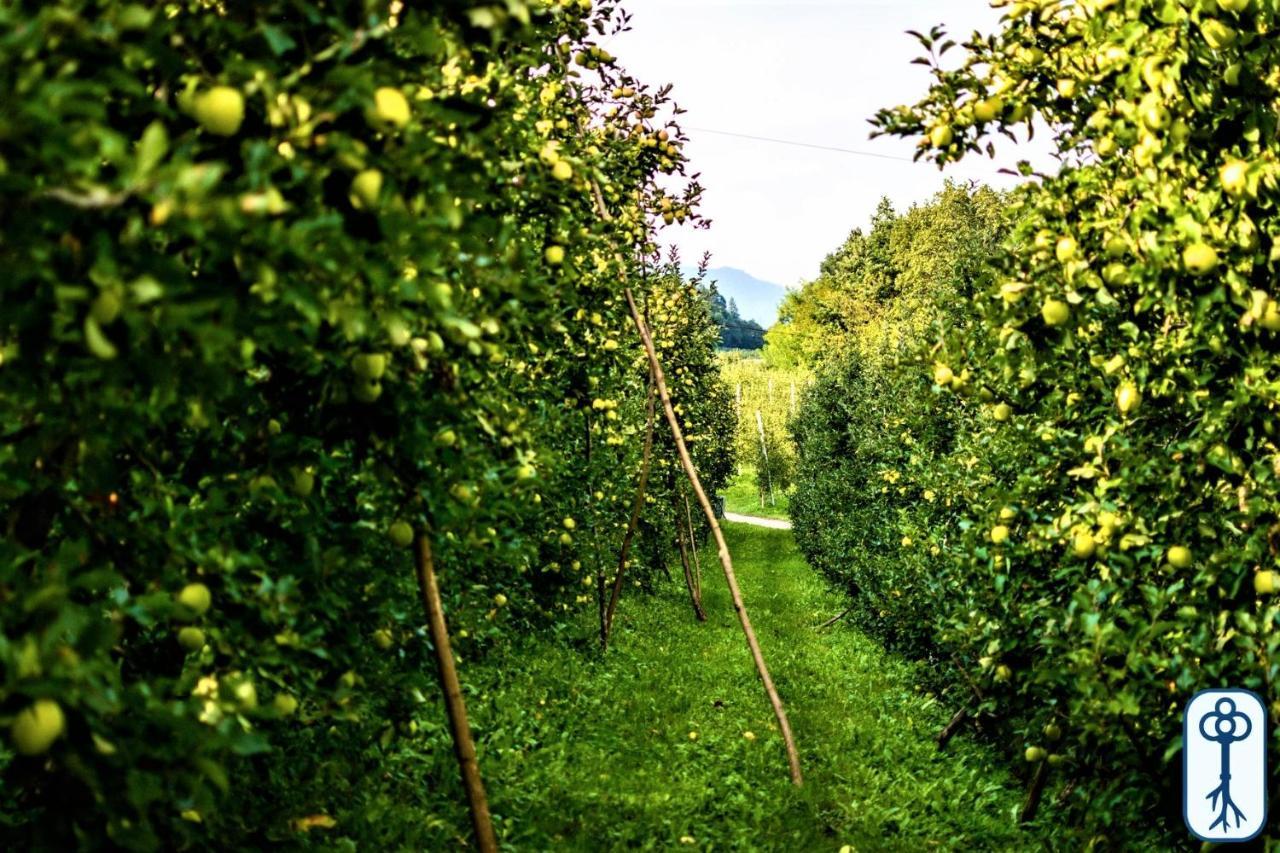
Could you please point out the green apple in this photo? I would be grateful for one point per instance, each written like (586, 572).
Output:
(1234, 175)
(1128, 398)
(1066, 249)
(191, 638)
(1001, 412)
(219, 110)
(366, 187)
(369, 365)
(941, 135)
(1035, 754)
(1083, 545)
(390, 109)
(999, 534)
(554, 255)
(1055, 312)
(366, 390)
(1200, 258)
(196, 598)
(304, 482)
(1179, 556)
(400, 533)
(37, 726)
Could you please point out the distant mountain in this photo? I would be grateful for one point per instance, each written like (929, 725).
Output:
(756, 299)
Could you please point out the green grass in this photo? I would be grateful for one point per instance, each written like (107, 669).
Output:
(742, 496)
(581, 752)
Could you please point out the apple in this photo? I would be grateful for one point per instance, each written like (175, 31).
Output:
(1116, 247)
(367, 390)
(500, 600)
(1003, 673)
(400, 533)
(365, 189)
(1055, 312)
(1083, 545)
(1264, 583)
(1179, 556)
(569, 523)
(37, 726)
(562, 171)
(1236, 6)
(1200, 258)
(304, 482)
(446, 438)
(196, 598)
(383, 639)
(390, 109)
(1115, 273)
(988, 110)
(1066, 249)
(369, 366)
(1008, 513)
(999, 534)
(1001, 412)
(941, 136)
(554, 255)
(1128, 398)
(191, 638)
(285, 704)
(1056, 760)
(1234, 175)
(219, 110)
(1053, 731)
(942, 374)
(1035, 754)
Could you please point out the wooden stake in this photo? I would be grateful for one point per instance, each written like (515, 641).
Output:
(834, 619)
(454, 704)
(636, 506)
(693, 545)
(688, 576)
(726, 562)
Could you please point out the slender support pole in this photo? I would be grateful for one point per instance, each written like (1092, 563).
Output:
(454, 704)
(693, 545)
(834, 619)
(694, 596)
(636, 506)
(793, 755)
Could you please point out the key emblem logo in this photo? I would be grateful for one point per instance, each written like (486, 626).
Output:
(1224, 765)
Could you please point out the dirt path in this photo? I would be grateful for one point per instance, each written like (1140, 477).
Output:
(772, 523)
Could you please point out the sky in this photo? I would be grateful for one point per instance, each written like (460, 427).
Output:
(810, 71)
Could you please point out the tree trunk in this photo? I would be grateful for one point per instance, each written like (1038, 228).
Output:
(952, 727)
(1034, 793)
(636, 506)
(726, 562)
(463, 746)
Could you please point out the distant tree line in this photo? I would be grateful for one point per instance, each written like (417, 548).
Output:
(735, 331)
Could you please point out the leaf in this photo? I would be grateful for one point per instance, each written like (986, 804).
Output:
(152, 147)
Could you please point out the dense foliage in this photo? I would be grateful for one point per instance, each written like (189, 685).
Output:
(766, 398)
(285, 283)
(1103, 450)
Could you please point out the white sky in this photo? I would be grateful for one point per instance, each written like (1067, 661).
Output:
(810, 71)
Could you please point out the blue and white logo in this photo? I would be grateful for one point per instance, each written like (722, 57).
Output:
(1224, 765)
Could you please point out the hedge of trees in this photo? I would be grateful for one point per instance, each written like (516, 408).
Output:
(1084, 484)
(288, 287)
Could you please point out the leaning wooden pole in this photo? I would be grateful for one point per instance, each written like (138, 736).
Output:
(636, 507)
(793, 755)
(695, 596)
(693, 545)
(454, 704)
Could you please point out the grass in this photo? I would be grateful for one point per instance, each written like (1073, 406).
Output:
(582, 752)
(742, 496)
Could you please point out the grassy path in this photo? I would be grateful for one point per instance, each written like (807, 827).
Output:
(668, 743)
